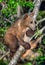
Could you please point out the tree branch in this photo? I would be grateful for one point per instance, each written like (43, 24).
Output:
(36, 9)
(17, 56)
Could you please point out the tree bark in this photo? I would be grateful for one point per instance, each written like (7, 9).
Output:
(36, 8)
(17, 56)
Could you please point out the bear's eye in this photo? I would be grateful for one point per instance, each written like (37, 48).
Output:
(31, 22)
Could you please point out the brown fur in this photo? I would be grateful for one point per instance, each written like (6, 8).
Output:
(14, 35)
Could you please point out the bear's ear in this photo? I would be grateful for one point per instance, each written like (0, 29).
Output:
(25, 16)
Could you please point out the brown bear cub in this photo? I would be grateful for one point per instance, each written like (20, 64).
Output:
(14, 35)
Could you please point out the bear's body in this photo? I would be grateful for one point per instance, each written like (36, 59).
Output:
(14, 35)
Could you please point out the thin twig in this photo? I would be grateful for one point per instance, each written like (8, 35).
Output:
(40, 21)
(7, 20)
(4, 55)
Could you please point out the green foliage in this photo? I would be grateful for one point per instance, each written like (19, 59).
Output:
(41, 15)
(40, 60)
(38, 32)
(43, 40)
(3, 62)
(28, 63)
(27, 4)
(12, 5)
(2, 46)
(1, 0)
(2, 31)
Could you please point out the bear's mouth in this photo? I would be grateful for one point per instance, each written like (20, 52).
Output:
(30, 32)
